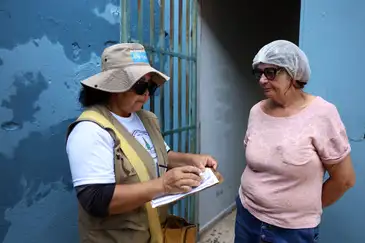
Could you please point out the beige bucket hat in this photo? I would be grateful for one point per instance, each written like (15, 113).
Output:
(122, 66)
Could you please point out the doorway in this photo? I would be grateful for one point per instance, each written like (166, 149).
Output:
(231, 33)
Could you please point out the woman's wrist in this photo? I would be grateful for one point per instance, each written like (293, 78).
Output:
(158, 187)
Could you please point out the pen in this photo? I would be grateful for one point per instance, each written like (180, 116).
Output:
(163, 166)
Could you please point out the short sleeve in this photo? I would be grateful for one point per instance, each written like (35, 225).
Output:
(90, 151)
(167, 147)
(331, 139)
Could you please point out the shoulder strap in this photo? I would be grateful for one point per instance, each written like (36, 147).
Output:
(139, 167)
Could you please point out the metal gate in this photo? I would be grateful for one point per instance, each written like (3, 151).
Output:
(168, 30)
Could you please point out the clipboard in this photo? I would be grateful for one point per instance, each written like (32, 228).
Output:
(211, 178)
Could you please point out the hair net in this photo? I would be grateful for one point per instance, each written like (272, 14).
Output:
(285, 54)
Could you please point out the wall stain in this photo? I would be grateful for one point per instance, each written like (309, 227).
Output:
(36, 43)
(28, 86)
(56, 20)
(10, 126)
(76, 51)
(40, 160)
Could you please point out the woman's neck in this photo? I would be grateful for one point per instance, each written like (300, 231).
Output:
(118, 111)
(292, 99)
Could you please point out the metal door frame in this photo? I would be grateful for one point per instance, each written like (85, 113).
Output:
(174, 52)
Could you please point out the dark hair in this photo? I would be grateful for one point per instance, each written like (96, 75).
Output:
(90, 96)
(296, 84)
(300, 84)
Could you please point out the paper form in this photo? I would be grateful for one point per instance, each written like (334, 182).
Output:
(209, 179)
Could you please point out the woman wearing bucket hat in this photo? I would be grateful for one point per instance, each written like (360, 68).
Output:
(117, 154)
(292, 138)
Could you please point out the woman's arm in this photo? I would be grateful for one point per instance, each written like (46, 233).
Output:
(129, 197)
(101, 200)
(342, 178)
(333, 147)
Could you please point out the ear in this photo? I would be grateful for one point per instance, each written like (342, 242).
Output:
(297, 84)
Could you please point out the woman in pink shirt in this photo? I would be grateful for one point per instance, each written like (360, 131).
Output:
(292, 139)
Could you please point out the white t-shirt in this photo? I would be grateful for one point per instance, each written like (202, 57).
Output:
(90, 150)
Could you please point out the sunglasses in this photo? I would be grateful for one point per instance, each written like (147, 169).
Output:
(270, 73)
(142, 85)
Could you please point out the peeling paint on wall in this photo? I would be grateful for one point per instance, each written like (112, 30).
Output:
(28, 88)
(50, 47)
(41, 66)
(111, 13)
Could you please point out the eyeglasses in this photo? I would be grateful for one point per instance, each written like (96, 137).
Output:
(142, 85)
(270, 73)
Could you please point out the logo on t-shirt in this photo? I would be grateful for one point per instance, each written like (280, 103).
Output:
(147, 145)
(144, 139)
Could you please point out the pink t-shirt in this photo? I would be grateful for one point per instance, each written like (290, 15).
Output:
(282, 182)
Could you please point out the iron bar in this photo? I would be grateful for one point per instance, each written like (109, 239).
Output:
(161, 59)
(172, 46)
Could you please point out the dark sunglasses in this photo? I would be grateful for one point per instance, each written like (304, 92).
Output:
(142, 85)
(270, 73)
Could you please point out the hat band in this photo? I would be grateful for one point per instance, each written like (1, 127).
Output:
(113, 67)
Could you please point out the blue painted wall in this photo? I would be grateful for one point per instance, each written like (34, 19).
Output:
(46, 48)
(333, 36)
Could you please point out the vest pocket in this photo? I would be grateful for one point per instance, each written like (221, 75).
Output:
(123, 169)
(135, 220)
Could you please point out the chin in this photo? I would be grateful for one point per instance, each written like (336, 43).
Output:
(138, 107)
(268, 94)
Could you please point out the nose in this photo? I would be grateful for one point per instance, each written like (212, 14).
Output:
(263, 80)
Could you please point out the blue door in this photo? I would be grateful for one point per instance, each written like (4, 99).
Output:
(333, 36)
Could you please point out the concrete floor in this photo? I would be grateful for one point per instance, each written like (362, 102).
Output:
(222, 232)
